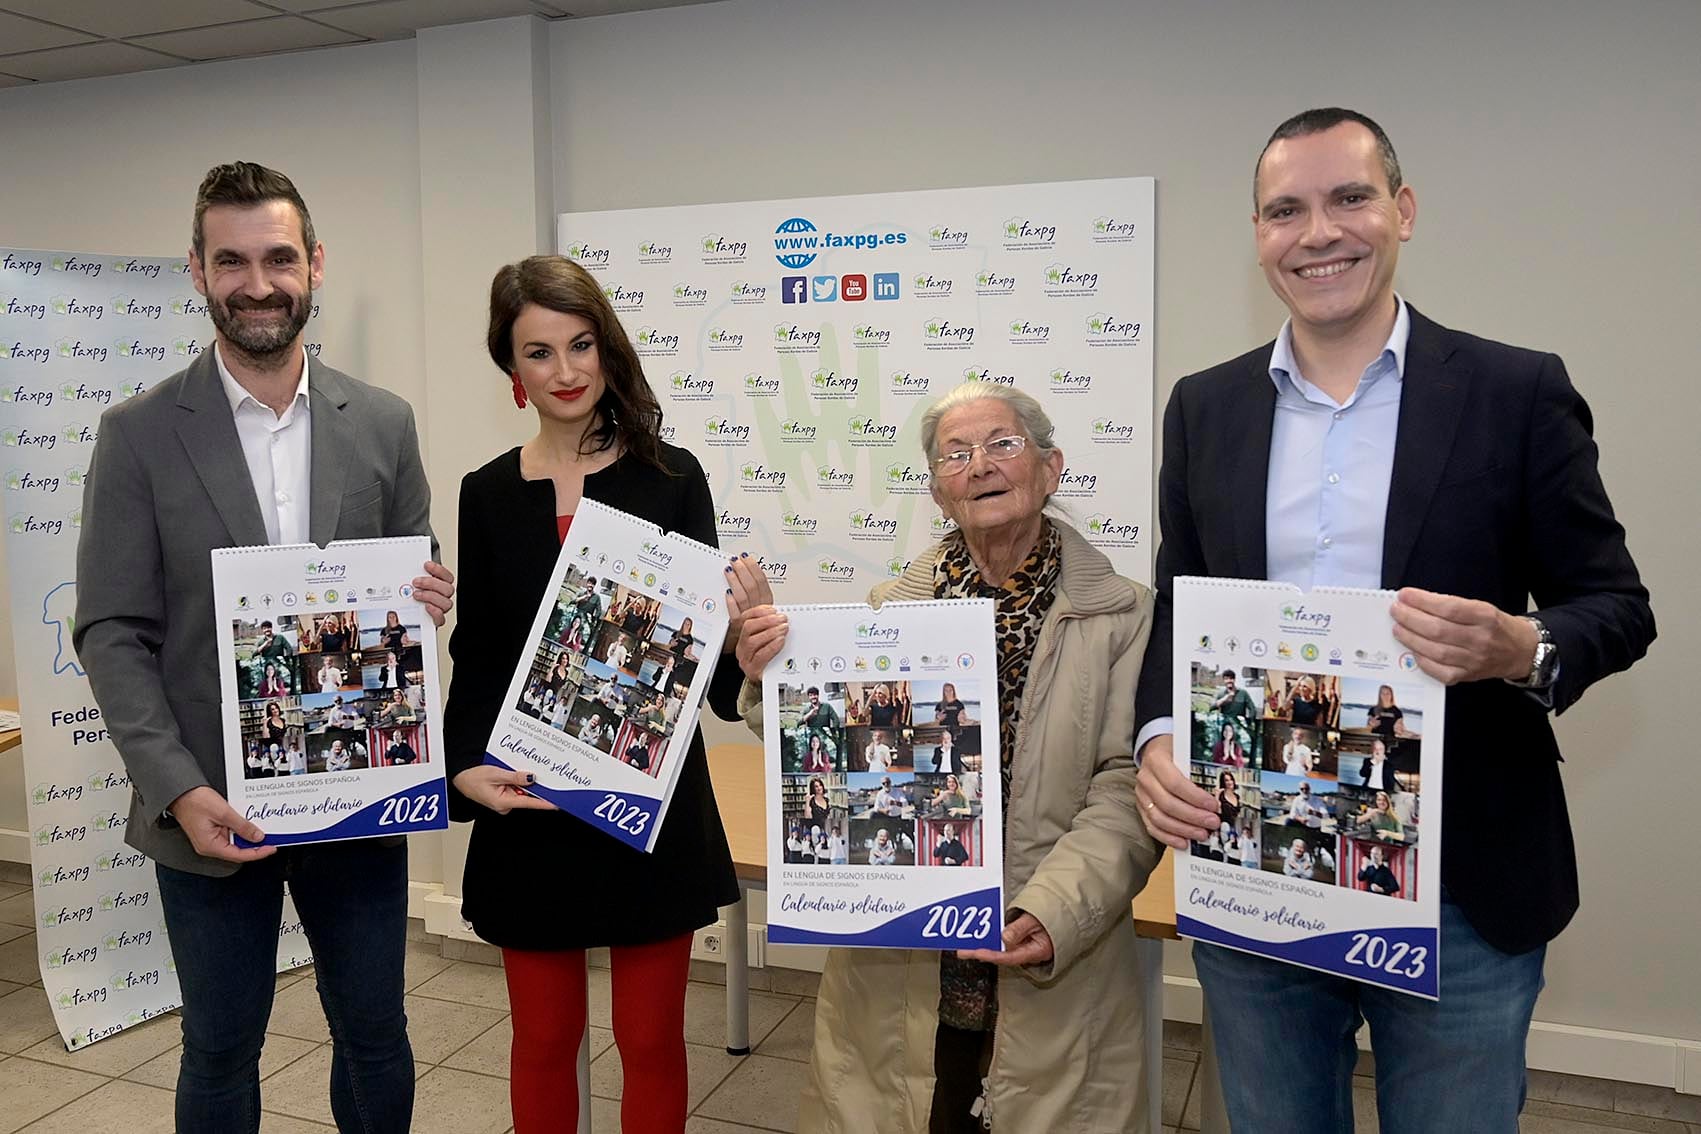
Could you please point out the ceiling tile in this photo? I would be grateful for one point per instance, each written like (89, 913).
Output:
(314, 5)
(13, 81)
(128, 18)
(254, 37)
(391, 18)
(610, 7)
(19, 34)
(85, 61)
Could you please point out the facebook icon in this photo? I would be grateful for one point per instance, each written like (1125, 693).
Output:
(794, 289)
(885, 285)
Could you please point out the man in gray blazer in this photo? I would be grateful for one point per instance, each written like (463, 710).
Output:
(255, 443)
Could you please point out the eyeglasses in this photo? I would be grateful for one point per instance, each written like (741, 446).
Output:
(998, 449)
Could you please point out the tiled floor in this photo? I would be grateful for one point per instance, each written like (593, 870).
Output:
(458, 1021)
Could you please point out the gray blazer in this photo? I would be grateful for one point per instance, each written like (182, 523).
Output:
(167, 484)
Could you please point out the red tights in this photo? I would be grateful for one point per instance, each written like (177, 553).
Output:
(546, 991)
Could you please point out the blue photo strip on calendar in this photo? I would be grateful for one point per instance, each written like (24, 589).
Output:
(602, 707)
(330, 690)
(1319, 738)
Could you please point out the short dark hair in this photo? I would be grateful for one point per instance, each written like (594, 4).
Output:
(1319, 119)
(630, 412)
(814, 690)
(244, 185)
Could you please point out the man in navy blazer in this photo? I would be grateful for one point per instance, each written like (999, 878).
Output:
(1369, 446)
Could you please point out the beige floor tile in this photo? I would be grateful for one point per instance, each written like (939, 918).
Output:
(12, 889)
(697, 1124)
(760, 1088)
(1181, 1035)
(1364, 1111)
(423, 962)
(794, 982)
(605, 1114)
(438, 1028)
(1178, 1080)
(477, 952)
(7, 987)
(1365, 1068)
(448, 1101)
(1594, 1119)
(706, 1068)
(705, 1014)
(303, 1089)
(794, 1036)
(283, 1124)
(711, 972)
(26, 1018)
(33, 1089)
(465, 982)
(279, 1052)
(18, 961)
(19, 909)
(489, 1053)
(1571, 1090)
(134, 1108)
(1655, 1102)
(117, 1054)
(15, 872)
(12, 932)
(296, 1012)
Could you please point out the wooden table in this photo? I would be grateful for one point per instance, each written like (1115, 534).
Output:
(12, 737)
(737, 772)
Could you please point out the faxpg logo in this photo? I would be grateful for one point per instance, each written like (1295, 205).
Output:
(1026, 332)
(722, 339)
(867, 524)
(1106, 530)
(77, 266)
(29, 524)
(789, 338)
(797, 524)
(722, 430)
(795, 432)
(864, 430)
(588, 254)
(1112, 230)
(745, 292)
(947, 237)
(995, 281)
(686, 386)
(57, 874)
(72, 305)
(21, 265)
(775, 569)
(753, 476)
(1067, 279)
(947, 334)
(135, 308)
(78, 350)
(654, 252)
(870, 336)
(834, 479)
(1076, 481)
(1066, 381)
(188, 306)
(20, 352)
(25, 309)
(1027, 234)
(84, 393)
(689, 294)
(733, 524)
(654, 342)
(136, 348)
(1109, 431)
(623, 298)
(908, 384)
(28, 439)
(988, 374)
(1105, 328)
(759, 385)
(830, 570)
(907, 480)
(718, 249)
(829, 385)
(137, 268)
(926, 285)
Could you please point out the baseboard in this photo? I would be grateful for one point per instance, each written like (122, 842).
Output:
(1628, 1057)
(14, 846)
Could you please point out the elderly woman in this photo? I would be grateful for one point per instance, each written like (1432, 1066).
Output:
(1062, 992)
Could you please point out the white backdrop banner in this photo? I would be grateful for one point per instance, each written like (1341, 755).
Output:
(78, 333)
(795, 344)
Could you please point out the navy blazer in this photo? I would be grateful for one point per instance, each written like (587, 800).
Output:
(1495, 495)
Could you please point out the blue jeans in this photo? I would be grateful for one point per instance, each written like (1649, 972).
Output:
(352, 900)
(1286, 1052)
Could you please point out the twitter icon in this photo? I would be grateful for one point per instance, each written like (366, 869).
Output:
(826, 289)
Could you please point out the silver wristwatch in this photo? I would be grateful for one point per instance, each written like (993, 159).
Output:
(1545, 665)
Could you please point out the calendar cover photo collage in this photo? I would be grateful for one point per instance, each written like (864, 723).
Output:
(1316, 775)
(331, 691)
(883, 773)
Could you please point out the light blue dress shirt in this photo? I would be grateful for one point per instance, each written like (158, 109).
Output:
(1326, 495)
(1326, 500)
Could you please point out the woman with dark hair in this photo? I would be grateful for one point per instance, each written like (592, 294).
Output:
(1228, 799)
(816, 808)
(554, 335)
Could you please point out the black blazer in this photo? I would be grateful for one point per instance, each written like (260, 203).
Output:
(1495, 495)
(544, 879)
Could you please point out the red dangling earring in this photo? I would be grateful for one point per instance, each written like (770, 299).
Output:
(519, 392)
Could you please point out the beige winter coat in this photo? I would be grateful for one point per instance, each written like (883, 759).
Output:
(1068, 1055)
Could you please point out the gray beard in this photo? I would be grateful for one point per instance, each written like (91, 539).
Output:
(262, 345)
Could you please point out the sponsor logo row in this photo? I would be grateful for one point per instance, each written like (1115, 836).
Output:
(1057, 280)
(1100, 329)
(797, 242)
(830, 384)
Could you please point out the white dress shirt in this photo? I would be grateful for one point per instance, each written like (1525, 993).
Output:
(279, 452)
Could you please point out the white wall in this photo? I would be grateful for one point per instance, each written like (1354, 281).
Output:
(1552, 146)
